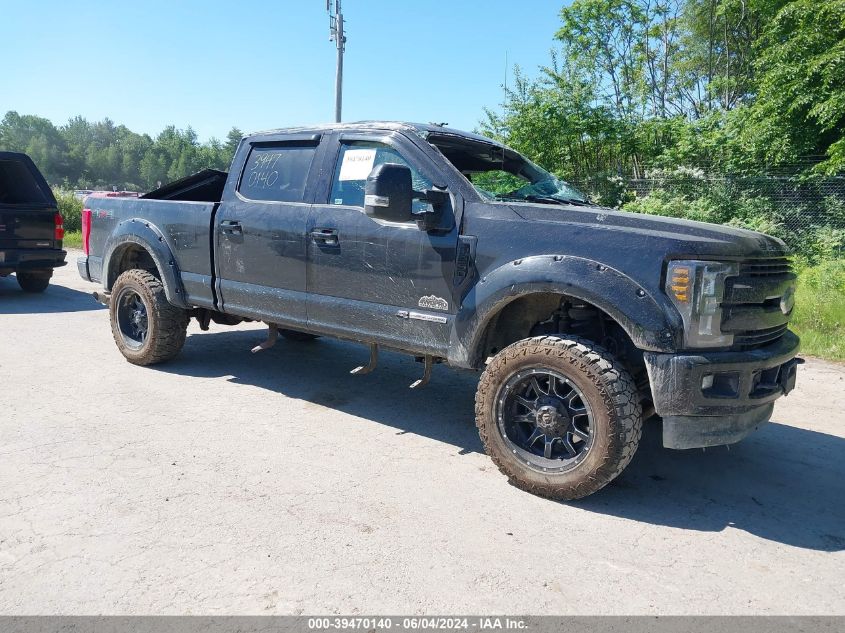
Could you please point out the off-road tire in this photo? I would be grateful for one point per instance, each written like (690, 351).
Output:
(34, 280)
(167, 324)
(294, 335)
(613, 400)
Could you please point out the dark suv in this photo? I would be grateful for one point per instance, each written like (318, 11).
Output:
(31, 228)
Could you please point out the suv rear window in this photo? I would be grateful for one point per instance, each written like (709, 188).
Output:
(277, 172)
(19, 186)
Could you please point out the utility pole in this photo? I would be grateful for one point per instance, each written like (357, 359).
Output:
(338, 36)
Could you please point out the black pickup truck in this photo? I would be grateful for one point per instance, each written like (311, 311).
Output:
(456, 249)
(31, 228)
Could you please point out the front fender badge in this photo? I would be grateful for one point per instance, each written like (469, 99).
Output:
(433, 303)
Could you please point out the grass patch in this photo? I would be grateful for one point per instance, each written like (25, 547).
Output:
(73, 239)
(819, 317)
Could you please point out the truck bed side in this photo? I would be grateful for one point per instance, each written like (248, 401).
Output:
(176, 234)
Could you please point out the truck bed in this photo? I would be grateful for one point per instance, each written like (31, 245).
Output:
(181, 210)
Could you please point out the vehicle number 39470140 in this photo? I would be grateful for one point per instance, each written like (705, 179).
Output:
(414, 623)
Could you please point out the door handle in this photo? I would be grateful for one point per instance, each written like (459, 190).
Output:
(231, 227)
(325, 237)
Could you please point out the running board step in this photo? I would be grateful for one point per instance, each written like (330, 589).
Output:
(422, 382)
(370, 366)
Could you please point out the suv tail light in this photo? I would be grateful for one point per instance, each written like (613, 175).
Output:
(86, 229)
(60, 227)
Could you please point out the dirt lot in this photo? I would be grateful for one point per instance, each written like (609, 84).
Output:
(226, 482)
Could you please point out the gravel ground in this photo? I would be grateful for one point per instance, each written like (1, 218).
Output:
(226, 482)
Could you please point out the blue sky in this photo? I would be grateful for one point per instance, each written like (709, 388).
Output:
(259, 65)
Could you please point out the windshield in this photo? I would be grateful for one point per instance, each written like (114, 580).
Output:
(499, 173)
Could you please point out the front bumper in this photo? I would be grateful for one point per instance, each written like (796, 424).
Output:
(14, 259)
(715, 398)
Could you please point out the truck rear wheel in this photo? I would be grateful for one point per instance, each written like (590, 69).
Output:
(559, 416)
(34, 280)
(146, 327)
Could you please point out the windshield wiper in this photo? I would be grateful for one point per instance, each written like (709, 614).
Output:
(555, 200)
(529, 198)
(532, 197)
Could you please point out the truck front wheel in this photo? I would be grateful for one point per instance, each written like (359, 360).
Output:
(146, 327)
(559, 416)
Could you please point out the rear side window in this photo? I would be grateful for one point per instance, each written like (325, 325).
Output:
(18, 185)
(277, 172)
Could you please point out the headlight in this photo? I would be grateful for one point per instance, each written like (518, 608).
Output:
(697, 289)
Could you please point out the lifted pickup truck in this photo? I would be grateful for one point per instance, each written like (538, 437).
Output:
(456, 249)
(31, 229)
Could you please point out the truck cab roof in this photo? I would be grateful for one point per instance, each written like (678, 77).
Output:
(421, 129)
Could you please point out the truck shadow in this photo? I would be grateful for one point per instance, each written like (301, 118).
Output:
(317, 372)
(783, 484)
(55, 299)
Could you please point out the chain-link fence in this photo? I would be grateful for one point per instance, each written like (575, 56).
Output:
(807, 213)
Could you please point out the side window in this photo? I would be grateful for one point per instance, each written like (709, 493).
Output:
(355, 161)
(277, 172)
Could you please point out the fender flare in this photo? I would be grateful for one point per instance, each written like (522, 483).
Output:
(647, 320)
(137, 232)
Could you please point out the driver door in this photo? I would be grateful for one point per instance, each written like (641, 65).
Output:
(371, 279)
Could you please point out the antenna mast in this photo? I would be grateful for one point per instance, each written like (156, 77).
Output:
(338, 36)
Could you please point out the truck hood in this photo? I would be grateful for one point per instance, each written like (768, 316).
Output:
(684, 237)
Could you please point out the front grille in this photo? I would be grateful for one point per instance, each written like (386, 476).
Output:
(766, 267)
(758, 338)
(751, 307)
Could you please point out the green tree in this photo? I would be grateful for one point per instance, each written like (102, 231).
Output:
(233, 139)
(603, 40)
(153, 169)
(736, 86)
(103, 154)
(800, 105)
(719, 47)
(39, 138)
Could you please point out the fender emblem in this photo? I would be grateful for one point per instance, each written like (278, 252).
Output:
(433, 303)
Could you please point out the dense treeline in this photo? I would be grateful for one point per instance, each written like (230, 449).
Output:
(81, 154)
(734, 86)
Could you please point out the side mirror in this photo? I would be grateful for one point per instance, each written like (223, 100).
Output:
(429, 219)
(388, 193)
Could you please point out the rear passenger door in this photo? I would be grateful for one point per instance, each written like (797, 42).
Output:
(260, 232)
